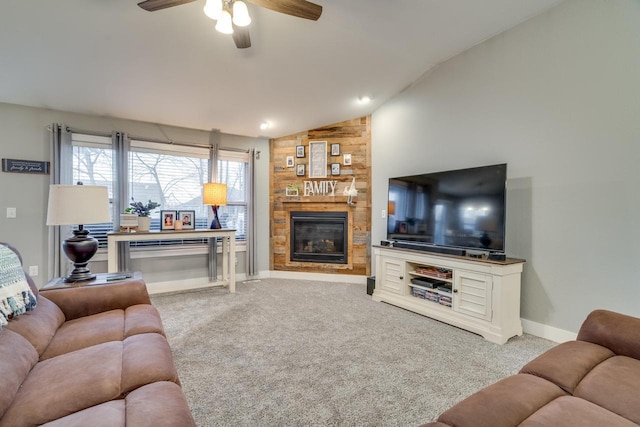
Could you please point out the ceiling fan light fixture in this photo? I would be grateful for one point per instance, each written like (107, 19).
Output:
(224, 24)
(213, 9)
(241, 14)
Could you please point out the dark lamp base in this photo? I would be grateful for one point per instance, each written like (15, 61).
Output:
(215, 223)
(80, 249)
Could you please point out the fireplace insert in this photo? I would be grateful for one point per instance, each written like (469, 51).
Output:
(319, 237)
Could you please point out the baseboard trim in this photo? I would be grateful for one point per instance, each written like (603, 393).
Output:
(548, 332)
(186, 284)
(322, 277)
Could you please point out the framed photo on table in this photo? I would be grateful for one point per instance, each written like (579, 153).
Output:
(188, 219)
(168, 220)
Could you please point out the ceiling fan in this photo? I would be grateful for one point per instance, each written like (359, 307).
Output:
(233, 18)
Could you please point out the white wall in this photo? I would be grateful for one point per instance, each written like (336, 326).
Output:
(25, 136)
(558, 99)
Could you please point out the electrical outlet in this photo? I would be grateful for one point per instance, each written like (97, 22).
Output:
(384, 214)
(11, 212)
(33, 270)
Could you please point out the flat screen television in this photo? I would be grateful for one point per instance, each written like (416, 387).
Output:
(459, 209)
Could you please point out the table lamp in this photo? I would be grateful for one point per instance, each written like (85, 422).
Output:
(215, 194)
(78, 204)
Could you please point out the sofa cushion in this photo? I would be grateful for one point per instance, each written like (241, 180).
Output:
(572, 411)
(158, 404)
(504, 404)
(16, 297)
(146, 358)
(85, 332)
(17, 357)
(618, 332)
(142, 318)
(114, 325)
(566, 364)
(109, 414)
(91, 376)
(39, 325)
(615, 385)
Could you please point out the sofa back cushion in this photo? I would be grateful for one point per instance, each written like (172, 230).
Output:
(39, 325)
(16, 297)
(17, 357)
(618, 332)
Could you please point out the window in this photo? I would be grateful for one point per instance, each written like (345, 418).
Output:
(172, 175)
(233, 170)
(93, 165)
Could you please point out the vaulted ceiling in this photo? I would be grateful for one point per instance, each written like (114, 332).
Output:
(111, 58)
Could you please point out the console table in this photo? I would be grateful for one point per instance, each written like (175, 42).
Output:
(228, 248)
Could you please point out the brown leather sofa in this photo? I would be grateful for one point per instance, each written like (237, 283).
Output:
(90, 356)
(593, 381)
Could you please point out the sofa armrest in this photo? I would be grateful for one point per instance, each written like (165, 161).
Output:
(87, 300)
(617, 332)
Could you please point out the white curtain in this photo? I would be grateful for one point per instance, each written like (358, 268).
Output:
(121, 146)
(61, 156)
(252, 268)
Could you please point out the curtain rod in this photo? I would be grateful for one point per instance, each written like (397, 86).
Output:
(140, 138)
(88, 132)
(186, 144)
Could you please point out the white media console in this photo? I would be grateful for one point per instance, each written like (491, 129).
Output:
(477, 295)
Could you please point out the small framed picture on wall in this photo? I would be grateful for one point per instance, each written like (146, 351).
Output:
(167, 220)
(300, 169)
(335, 149)
(290, 161)
(335, 168)
(300, 151)
(347, 160)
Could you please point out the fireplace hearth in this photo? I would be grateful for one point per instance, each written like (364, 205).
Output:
(319, 237)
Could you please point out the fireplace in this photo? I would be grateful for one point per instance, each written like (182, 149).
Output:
(319, 237)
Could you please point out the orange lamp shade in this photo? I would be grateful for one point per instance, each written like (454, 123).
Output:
(214, 194)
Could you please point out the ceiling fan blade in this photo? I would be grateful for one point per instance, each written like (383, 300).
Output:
(153, 5)
(241, 37)
(300, 8)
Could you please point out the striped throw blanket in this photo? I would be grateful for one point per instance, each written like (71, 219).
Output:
(16, 297)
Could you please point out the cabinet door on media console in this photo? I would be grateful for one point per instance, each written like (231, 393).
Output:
(392, 272)
(472, 294)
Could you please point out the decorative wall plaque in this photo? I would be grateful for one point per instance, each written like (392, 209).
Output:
(25, 166)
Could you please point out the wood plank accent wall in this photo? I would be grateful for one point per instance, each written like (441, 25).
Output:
(354, 137)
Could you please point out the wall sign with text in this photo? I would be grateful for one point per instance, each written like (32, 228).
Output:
(25, 166)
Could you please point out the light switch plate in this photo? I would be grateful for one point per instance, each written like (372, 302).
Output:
(11, 212)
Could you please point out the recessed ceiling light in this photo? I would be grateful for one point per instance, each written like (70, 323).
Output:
(364, 99)
(265, 125)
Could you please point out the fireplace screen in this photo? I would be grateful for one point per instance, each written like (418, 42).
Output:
(319, 237)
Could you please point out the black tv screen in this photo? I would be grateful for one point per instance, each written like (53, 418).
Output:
(460, 208)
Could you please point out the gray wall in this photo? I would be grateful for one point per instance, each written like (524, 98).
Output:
(558, 99)
(25, 136)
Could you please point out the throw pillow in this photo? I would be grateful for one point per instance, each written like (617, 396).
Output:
(16, 297)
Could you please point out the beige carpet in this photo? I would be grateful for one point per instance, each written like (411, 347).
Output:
(298, 353)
